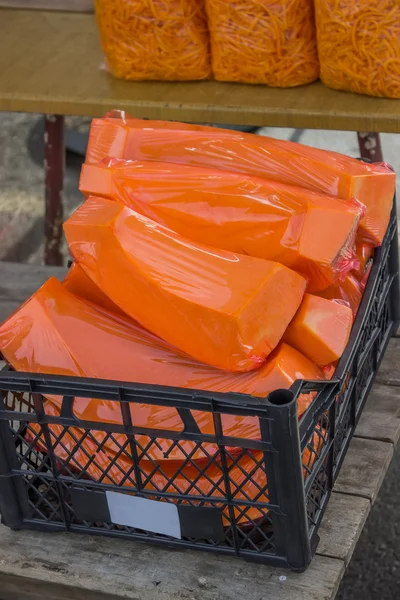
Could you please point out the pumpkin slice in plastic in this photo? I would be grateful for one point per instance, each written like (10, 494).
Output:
(320, 329)
(224, 309)
(311, 233)
(58, 333)
(77, 282)
(349, 292)
(110, 140)
(288, 162)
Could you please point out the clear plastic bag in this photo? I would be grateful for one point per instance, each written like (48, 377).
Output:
(359, 45)
(310, 233)
(55, 332)
(154, 39)
(266, 42)
(224, 309)
(286, 162)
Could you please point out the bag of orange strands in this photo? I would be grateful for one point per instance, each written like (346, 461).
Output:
(154, 39)
(359, 45)
(265, 42)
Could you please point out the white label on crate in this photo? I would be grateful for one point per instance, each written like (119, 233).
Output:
(150, 515)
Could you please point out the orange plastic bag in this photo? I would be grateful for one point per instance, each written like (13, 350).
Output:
(77, 282)
(308, 232)
(320, 329)
(359, 45)
(349, 292)
(108, 141)
(224, 309)
(287, 162)
(154, 39)
(365, 254)
(58, 333)
(280, 370)
(267, 42)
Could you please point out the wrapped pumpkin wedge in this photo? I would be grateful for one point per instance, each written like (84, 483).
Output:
(224, 309)
(310, 233)
(349, 292)
(105, 141)
(280, 370)
(87, 341)
(77, 282)
(320, 329)
(287, 162)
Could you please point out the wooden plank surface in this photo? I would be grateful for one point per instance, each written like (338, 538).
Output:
(50, 62)
(342, 525)
(389, 372)
(140, 572)
(18, 282)
(380, 418)
(364, 468)
(65, 5)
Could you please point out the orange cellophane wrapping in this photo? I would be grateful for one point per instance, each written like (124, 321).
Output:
(320, 329)
(310, 233)
(77, 282)
(364, 254)
(359, 45)
(113, 137)
(224, 309)
(269, 42)
(349, 292)
(286, 162)
(154, 39)
(56, 332)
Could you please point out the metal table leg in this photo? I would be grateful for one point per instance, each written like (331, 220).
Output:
(54, 158)
(370, 146)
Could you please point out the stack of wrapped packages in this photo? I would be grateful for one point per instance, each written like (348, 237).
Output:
(203, 259)
(351, 45)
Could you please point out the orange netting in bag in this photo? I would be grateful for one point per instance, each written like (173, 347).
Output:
(359, 45)
(154, 39)
(270, 42)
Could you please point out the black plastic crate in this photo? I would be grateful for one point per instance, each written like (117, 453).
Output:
(261, 499)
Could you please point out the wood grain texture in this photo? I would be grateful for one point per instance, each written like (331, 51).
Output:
(342, 525)
(380, 419)
(7, 308)
(19, 281)
(65, 5)
(22, 588)
(133, 570)
(389, 371)
(364, 468)
(62, 74)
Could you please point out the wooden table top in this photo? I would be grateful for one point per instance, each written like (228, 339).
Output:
(50, 62)
(64, 566)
